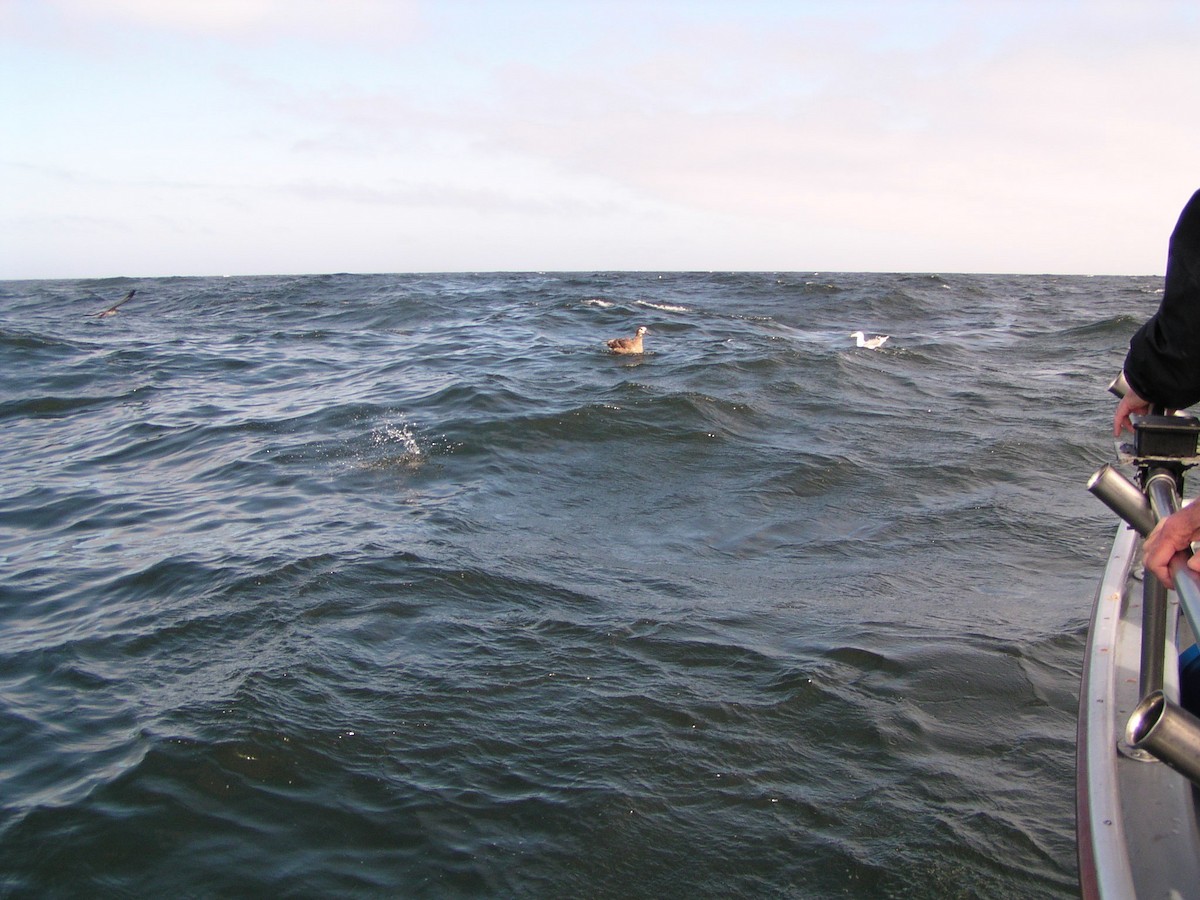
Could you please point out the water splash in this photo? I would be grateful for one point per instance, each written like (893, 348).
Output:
(397, 446)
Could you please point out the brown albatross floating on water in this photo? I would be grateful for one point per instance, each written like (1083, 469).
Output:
(628, 345)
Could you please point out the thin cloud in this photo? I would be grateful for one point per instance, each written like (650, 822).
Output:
(254, 20)
(926, 135)
(450, 197)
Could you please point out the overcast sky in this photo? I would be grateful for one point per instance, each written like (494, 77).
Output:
(211, 137)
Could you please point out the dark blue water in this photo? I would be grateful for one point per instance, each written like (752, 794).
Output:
(403, 586)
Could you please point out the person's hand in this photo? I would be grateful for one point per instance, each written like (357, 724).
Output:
(1170, 536)
(1131, 405)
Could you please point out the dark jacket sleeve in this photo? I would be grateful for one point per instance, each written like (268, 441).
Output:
(1163, 364)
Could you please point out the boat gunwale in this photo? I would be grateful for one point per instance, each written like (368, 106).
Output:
(1104, 867)
(1136, 818)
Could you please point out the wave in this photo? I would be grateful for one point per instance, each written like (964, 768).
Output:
(34, 343)
(1120, 325)
(663, 307)
(364, 584)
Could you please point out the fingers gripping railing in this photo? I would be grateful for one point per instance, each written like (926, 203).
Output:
(1164, 500)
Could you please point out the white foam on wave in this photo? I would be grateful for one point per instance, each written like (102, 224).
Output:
(603, 304)
(665, 307)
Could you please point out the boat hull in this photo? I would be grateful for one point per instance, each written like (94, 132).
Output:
(1136, 818)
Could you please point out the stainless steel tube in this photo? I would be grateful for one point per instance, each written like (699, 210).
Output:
(1187, 589)
(1124, 498)
(1119, 386)
(1154, 637)
(1164, 500)
(1168, 731)
(1160, 488)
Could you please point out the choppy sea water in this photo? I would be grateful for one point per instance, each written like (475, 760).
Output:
(402, 585)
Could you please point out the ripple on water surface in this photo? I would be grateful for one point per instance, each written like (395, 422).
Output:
(402, 584)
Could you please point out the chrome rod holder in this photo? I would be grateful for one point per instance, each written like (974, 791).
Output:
(1169, 732)
(1124, 498)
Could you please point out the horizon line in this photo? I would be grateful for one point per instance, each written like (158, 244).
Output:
(593, 271)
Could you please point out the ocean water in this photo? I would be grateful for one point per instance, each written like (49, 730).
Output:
(403, 586)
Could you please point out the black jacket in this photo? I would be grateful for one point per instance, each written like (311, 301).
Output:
(1163, 364)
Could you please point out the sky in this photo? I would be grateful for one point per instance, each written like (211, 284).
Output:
(231, 137)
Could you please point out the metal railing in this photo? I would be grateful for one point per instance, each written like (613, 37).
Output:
(1158, 725)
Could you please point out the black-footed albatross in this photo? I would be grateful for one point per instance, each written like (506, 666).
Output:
(628, 345)
(112, 310)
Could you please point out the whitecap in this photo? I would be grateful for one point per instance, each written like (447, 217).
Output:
(665, 307)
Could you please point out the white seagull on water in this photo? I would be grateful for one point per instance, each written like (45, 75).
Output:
(870, 343)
